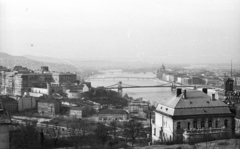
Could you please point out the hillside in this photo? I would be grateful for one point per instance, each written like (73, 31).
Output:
(46, 59)
(10, 61)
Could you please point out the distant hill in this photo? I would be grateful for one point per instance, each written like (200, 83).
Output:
(4, 55)
(46, 59)
(10, 61)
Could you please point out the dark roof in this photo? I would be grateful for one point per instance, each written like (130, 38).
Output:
(113, 111)
(48, 101)
(6, 99)
(77, 108)
(196, 103)
(4, 116)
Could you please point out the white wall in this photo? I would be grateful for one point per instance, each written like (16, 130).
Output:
(39, 90)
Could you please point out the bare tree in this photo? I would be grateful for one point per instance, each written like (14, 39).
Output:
(133, 128)
(102, 133)
(54, 134)
(80, 130)
(113, 128)
(26, 137)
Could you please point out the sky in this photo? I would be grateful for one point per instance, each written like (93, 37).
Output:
(166, 31)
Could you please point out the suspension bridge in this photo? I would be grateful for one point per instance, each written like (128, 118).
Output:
(122, 77)
(119, 86)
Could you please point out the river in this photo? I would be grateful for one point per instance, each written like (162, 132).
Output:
(153, 95)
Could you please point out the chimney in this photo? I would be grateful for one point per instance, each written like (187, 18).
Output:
(178, 92)
(213, 97)
(204, 90)
(185, 94)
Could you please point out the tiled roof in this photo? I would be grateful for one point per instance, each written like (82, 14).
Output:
(111, 111)
(196, 103)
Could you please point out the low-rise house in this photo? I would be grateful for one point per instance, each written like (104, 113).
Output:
(212, 81)
(49, 107)
(113, 114)
(189, 115)
(196, 80)
(10, 104)
(138, 106)
(26, 102)
(96, 106)
(76, 112)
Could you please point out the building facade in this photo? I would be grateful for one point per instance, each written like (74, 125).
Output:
(76, 112)
(113, 114)
(49, 107)
(189, 114)
(138, 106)
(21, 80)
(10, 104)
(26, 102)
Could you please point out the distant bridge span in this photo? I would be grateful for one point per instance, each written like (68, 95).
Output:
(119, 86)
(139, 78)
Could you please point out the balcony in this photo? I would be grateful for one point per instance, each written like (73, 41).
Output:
(204, 131)
(201, 134)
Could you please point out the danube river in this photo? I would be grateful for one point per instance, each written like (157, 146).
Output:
(148, 94)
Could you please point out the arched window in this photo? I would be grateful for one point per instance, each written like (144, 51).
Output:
(216, 124)
(178, 125)
(226, 123)
(202, 124)
(188, 125)
(209, 123)
(195, 124)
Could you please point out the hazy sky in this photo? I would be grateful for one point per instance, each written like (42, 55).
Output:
(176, 31)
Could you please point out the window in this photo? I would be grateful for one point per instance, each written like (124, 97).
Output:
(178, 125)
(202, 124)
(216, 124)
(195, 124)
(209, 123)
(160, 134)
(1, 106)
(226, 123)
(154, 131)
(188, 125)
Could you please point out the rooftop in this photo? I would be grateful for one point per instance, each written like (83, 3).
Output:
(195, 103)
(77, 108)
(6, 99)
(113, 111)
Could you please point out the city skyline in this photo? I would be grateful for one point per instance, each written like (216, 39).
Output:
(154, 31)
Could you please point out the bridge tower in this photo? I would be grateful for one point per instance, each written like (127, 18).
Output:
(195, 87)
(120, 88)
(173, 85)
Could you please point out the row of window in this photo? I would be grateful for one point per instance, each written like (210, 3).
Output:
(202, 124)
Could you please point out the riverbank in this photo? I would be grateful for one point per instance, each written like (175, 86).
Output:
(151, 94)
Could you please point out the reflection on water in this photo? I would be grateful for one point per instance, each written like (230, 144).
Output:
(151, 94)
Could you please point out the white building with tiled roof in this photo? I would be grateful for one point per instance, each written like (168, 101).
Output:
(188, 114)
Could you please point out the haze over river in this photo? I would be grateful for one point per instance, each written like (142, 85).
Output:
(152, 94)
